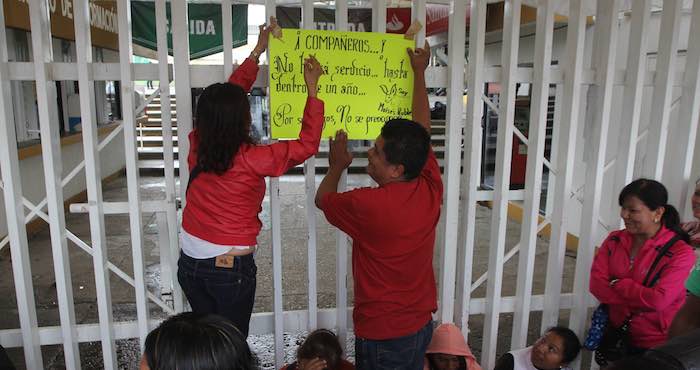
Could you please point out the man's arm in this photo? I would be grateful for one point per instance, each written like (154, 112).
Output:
(421, 108)
(339, 158)
(687, 319)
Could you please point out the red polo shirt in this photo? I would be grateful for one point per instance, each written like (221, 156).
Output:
(393, 232)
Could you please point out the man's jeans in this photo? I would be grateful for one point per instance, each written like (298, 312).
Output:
(229, 292)
(405, 353)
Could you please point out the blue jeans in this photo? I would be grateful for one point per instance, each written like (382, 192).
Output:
(229, 292)
(404, 353)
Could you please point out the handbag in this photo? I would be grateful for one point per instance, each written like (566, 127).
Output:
(599, 322)
(614, 342)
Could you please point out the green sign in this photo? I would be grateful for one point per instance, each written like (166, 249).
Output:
(206, 32)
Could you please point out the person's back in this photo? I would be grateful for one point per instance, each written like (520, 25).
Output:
(393, 231)
(227, 182)
(234, 198)
(226, 187)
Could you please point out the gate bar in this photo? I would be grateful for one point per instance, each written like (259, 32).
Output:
(689, 113)
(310, 188)
(341, 256)
(535, 163)
(509, 60)
(17, 232)
(42, 51)
(93, 172)
(453, 153)
(663, 86)
(472, 160)
(598, 107)
(568, 134)
(132, 168)
(168, 153)
(632, 100)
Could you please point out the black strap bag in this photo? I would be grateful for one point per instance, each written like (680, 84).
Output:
(615, 343)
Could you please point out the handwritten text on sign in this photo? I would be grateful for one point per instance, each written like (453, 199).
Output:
(368, 79)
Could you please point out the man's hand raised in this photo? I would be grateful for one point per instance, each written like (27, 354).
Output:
(339, 158)
(419, 58)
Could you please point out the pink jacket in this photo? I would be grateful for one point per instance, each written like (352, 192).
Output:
(654, 307)
(448, 339)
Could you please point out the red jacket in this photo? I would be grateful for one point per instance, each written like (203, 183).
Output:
(223, 209)
(654, 307)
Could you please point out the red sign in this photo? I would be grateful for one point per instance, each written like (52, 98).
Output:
(436, 17)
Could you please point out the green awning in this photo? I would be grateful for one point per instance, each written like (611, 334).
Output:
(204, 26)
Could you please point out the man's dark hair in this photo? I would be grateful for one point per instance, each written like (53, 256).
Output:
(324, 344)
(191, 341)
(406, 143)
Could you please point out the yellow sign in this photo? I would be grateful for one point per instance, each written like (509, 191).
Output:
(368, 79)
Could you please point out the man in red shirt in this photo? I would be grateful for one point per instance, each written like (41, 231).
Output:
(393, 232)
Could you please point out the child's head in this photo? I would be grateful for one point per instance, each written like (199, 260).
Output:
(196, 341)
(444, 361)
(447, 349)
(556, 348)
(223, 124)
(323, 344)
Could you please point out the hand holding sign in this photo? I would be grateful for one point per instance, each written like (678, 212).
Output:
(312, 72)
(419, 58)
(264, 37)
(339, 158)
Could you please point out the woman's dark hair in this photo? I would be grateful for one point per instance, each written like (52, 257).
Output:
(572, 346)
(324, 344)
(433, 366)
(406, 143)
(654, 195)
(194, 341)
(223, 124)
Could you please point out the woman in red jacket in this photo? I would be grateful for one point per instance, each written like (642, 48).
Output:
(226, 188)
(625, 260)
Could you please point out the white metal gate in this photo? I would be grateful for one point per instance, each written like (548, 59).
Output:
(586, 96)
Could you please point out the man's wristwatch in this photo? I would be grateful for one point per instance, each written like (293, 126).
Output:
(255, 54)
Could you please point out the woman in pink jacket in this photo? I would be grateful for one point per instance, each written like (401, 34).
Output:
(625, 259)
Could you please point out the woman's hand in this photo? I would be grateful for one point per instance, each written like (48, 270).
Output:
(312, 72)
(263, 38)
(419, 58)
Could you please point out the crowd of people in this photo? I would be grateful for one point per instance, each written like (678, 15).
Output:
(638, 273)
(641, 275)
